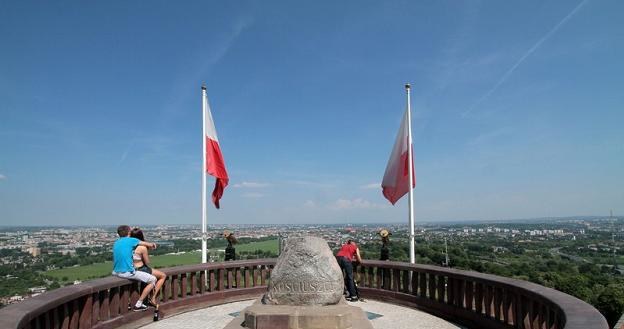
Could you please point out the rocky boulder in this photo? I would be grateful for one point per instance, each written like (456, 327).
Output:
(306, 273)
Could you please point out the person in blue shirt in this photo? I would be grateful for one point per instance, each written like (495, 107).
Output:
(123, 267)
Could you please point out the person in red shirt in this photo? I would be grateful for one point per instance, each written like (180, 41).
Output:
(345, 256)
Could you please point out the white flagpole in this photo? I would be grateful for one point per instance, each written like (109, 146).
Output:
(203, 170)
(411, 175)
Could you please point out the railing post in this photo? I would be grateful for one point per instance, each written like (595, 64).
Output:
(85, 312)
(213, 280)
(479, 298)
(222, 279)
(469, 296)
(202, 282)
(441, 287)
(433, 286)
(114, 302)
(423, 285)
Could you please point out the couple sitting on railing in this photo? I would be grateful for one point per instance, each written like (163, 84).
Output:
(131, 261)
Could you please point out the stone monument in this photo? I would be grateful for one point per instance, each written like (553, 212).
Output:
(304, 292)
(306, 273)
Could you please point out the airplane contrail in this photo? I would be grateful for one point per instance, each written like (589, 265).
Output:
(524, 57)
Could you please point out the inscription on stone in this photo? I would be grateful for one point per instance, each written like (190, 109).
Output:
(303, 287)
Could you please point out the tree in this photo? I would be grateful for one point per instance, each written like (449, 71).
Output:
(611, 303)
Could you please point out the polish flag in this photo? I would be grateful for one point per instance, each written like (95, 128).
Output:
(215, 165)
(395, 181)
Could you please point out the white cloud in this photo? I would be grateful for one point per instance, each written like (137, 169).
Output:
(3, 177)
(251, 185)
(311, 184)
(309, 204)
(357, 203)
(252, 195)
(371, 186)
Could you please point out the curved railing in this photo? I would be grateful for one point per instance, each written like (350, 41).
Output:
(104, 303)
(472, 299)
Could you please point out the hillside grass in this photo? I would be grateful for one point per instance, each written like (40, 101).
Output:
(99, 270)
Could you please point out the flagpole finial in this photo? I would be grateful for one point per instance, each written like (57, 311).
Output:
(407, 86)
(203, 86)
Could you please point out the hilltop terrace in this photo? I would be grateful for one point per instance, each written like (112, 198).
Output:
(401, 295)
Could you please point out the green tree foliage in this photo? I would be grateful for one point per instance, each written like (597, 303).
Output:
(610, 302)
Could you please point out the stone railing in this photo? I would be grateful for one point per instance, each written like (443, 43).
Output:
(104, 303)
(472, 299)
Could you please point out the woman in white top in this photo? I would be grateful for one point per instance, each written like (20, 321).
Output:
(140, 259)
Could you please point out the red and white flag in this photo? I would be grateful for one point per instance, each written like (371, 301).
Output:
(395, 181)
(215, 165)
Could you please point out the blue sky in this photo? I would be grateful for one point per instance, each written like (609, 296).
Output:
(517, 109)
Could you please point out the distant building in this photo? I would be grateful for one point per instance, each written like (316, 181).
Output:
(34, 251)
(37, 290)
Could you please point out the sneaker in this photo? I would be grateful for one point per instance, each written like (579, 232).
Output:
(353, 299)
(148, 303)
(141, 308)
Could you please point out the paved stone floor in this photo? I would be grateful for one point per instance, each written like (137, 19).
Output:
(382, 315)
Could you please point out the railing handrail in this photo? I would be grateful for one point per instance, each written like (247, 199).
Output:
(101, 303)
(577, 313)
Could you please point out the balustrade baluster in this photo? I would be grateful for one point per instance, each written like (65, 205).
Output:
(222, 279)
(497, 303)
(450, 290)
(134, 292)
(124, 298)
(432, 285)
(534, 312)
(202, 282)
(414, 283)
(257, 276)
(86, 310)
(104, 305)
(193, 279)
(489, 298)
(441, 291)
(405, 282)
(247, 277)
(45, 320)
(56, 320)
(95, 310)
(263, 275)
(239, 280)
(548, 318)
(469, 296)
(507, 314)
(423, 285)
(64, 315)
(396, 279)
(166, 292)
(541, 316)
(479, 298)
(75, 313)
(460, 284)
(183, 285)
(175, 286)
(114, 302)
(213, 280)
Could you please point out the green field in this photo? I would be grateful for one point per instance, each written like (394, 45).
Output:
(100, 270)
(268, 245)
